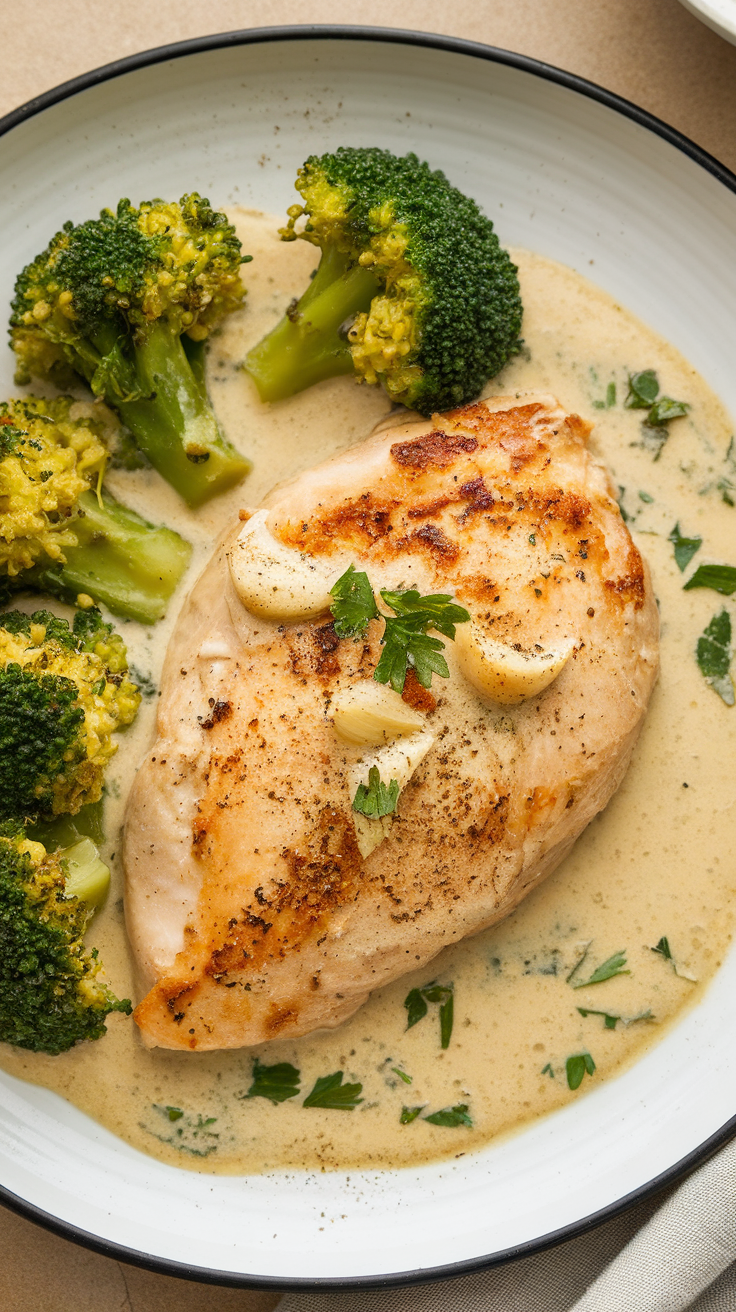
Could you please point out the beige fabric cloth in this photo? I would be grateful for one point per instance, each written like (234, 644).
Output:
(658, 1257)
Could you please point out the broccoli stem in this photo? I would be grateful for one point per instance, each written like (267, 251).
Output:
(307, 346)
(121, 560)
(174, 422)
(87, 878)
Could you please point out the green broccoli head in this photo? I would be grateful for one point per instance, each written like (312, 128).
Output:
(413, 289)
(58, 530)
(51, 995)
(126, 301)
(179, 262)
(63, 693)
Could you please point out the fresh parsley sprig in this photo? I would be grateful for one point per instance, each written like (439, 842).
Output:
(405, 640)
(376, 799)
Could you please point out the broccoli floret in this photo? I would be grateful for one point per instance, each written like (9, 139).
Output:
(60, 532)
(127, 301)
(413, 289)
(63, 693)
(51, 995)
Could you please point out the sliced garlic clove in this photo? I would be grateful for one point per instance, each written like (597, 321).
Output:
(500, 673)
(371, 713)
(277, 582)
(370, 833)
(397, 760)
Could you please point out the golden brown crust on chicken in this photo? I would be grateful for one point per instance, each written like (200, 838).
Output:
(250, 909)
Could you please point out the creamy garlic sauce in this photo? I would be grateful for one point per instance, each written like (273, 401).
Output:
(656, 863)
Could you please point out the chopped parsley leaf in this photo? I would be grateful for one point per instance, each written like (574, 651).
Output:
(377, 798)
(579, 962)
(402, 1075)
(663, 948)
(713, 654)
(578, 1066)
(416, 1007)
(451, 1116)
(721, 578)
(277, 1083)
(547, 1070)
(610, 1020)
(643, 390)
(646, 497)
(409, 1114)
(354, 605)
(330, 1092)
(174, 1113)
(666, 409)
(685, 548)
(608, 969)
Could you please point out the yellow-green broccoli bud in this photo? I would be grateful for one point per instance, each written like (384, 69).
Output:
(63, 693)
(51, 993)
(59, 531)
(127, 301)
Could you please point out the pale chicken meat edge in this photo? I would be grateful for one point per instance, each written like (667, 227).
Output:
(251, 912)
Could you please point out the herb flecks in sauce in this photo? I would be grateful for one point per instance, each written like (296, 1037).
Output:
(183, 1130)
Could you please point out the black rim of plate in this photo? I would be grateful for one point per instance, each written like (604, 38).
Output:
(572, 82)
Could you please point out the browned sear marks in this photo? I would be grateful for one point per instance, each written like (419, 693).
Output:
(436, 449)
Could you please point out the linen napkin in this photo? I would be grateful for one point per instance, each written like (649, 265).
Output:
(657, 1257)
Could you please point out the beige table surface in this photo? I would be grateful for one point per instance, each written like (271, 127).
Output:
(651, 51)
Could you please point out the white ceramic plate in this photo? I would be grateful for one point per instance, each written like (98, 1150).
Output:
(720, 15)
(562, 168)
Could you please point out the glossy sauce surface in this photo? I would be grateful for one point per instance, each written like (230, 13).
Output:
(655, 864)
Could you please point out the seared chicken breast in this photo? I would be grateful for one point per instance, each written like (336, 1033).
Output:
(259, 903)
